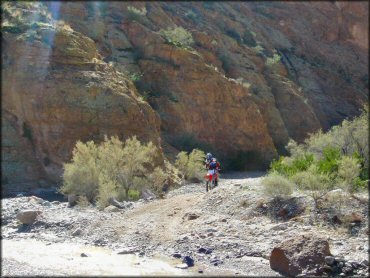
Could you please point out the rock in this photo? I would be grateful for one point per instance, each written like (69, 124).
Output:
(365, 262)
(190, 216)
(77, 232)
(55, 202)
(200, 271)
(329, 260)
(294, 255)
(182, 266)
(28, 216)
(111, 208)
(176, 255)
(113, 202)
(72, 200)
(83, 255)
(147, 194)
(347, 269)
(280, 227)
(35, 199)
(46, 203)
(205, 250)
(130, 250)
(188, 260)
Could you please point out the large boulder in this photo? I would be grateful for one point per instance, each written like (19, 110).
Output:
(28, 216)
(296, 254)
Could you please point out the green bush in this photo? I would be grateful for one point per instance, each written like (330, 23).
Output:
(348, 173)
(133, 194)
(271, 61)
(191, 166)
(316, 184)
(289, 166)
(178, 36)
(277, 186)
(329, 162)
(99, 172)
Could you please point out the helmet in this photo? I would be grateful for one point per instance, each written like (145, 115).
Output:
(209, 155)
(214, 159)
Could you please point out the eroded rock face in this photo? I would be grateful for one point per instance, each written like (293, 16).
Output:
(310, 88)
(293, 256)
(57, 91)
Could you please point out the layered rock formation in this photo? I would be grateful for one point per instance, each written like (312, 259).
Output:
(257, 75)
(56, 91)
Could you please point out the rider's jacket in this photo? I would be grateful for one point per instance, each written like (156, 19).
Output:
(208, 162)
(214, 165)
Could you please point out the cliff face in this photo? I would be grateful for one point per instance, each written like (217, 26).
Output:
(57, 90)
(257, 75)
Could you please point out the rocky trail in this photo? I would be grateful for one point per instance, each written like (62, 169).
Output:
(222, 232)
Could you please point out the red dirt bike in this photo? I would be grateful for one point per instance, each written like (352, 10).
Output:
(211, 179)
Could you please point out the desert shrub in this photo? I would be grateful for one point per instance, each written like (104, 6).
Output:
(349, 137)
(82, 201)
(135, 13)
(329, 162)
(315, 183)
(107, 189)
(157, 179)
(276, 185)
(289, 166)
(133, 194)
(81, 176)
(191, 166)
(270, 61)
(348, 172)
(99, 172)
(178, 36)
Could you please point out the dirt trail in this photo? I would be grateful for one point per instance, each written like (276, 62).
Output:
(223, 221)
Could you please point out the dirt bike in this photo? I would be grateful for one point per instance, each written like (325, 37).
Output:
(211, 179)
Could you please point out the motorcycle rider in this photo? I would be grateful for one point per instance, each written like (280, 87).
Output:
(208, 160)
(214, 165)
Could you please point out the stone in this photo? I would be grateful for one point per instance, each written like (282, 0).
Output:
(35, 199)
(205, 250)
(365, 262)
(190, 216)
(83, 255)
(200, 271)
(72, 200)
(28, 216)
(294, 255)
(111, 208)
(188, 260)
(77, 232)
(176, 255)
(114, 202)
(46, 203)
(182, 266)
(55, 202)
(280, 227)
(329, 260)
(347, 269)
(130, 250)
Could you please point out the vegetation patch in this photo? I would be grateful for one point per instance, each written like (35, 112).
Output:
(191, 165)
(178, 37)
(111, 169)
(336, 160)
